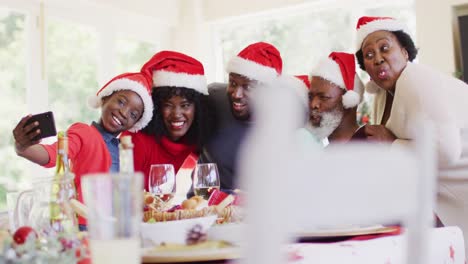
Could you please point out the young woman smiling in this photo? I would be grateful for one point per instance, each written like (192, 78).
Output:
(181, 117)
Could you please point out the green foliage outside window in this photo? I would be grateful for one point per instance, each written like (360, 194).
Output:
(72, 72)
(12, 83)
(132, 54)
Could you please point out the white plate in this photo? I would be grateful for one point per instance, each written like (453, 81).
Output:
(172, 232)
(149, 256)
(232, 233)
(348, 231)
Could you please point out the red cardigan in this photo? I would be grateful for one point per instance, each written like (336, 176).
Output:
(87, 152)
(148, 151)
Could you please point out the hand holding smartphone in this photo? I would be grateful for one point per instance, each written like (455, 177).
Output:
(46, 125)
(31, 129)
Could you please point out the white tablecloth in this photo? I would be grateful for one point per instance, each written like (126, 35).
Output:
(446, 246)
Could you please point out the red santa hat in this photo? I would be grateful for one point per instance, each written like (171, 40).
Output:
(305, 81)
(340, 69)
(170, 68)
(259, 61)
(300, 85)
(137, 82)
(367, 25)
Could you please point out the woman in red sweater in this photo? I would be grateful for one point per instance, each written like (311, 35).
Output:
(181, 116)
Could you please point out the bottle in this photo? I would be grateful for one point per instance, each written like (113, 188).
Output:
(123, 185)
(126, 155)
(62, 216)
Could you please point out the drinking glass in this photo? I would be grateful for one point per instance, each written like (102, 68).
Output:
(205, 179)
(115, 203)
(11, 200)
(162, 184)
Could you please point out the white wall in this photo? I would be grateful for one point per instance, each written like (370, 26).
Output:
(222, 9)
(162, 10)
(435, 33)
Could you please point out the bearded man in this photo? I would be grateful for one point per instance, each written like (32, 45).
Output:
(334, 94)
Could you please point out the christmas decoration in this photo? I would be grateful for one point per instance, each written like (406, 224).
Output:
(196, 235)
(26, 247)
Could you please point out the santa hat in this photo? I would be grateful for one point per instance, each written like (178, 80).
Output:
(367, 25)
(259, 61)
(340, 69)
(300, 85)
(170, 68)
(137, 82)
(305, 81)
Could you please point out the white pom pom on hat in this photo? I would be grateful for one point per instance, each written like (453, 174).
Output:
(351, 99)
(340, 69)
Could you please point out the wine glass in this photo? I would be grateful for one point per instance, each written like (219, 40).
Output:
(205, 179)
(162, 184)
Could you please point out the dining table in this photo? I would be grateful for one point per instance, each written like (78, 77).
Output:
(446, 245)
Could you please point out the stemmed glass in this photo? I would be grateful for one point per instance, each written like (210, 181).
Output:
(162, 184)
(205, 179)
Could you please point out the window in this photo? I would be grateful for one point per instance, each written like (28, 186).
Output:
(71, 71)
(305, 38)
(13, 83)
(132, 54)
(79, 45)
(302, 40)
(306, 35)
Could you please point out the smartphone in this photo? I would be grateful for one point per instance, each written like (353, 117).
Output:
(46, 124)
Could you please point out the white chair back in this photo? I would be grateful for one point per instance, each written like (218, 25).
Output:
(366, 185)
(343, 185)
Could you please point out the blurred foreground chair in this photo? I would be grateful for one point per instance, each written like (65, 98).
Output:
(290, 192)
(365, 184)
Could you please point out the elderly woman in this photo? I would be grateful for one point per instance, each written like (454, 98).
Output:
(404, 90)
(181, 120)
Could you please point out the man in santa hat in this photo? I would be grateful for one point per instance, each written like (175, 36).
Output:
(258, 62)
(334, 95)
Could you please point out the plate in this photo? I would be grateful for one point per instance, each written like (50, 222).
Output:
(231, 232)
(183, 254)
(173, 232)
(348, 231)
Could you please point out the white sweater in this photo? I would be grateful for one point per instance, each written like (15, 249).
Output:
(440, 98)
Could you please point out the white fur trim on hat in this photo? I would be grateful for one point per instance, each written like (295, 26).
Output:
(127, 84)
(388, 24)
(298, 86)
(329, 70)
(372, 87)
(251, 69)
(178, 79)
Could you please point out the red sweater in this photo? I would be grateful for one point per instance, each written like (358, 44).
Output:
(148, 151)
(87, 152)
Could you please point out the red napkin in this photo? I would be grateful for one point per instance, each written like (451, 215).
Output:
(216, 197)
